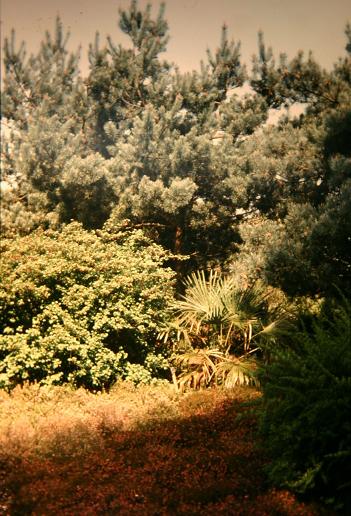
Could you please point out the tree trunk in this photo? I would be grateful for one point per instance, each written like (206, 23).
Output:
(178, 245)
(178, 242)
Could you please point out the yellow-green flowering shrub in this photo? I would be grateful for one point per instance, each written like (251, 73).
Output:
(80, 306)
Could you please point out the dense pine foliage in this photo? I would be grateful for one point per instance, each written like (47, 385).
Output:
(116, 186)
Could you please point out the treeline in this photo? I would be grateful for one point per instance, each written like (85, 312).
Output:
(117, 186)
(141, 145)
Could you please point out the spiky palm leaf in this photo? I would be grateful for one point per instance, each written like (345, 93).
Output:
(275, 329)
(232, 372)
(199, 367)
(203, 301)
(215, 313)
(244, 310)
(204, 367)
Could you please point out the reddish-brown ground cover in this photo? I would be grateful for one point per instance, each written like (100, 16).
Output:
(203, 461)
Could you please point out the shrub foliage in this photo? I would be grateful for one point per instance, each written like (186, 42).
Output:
(82, 307)
(306, 415)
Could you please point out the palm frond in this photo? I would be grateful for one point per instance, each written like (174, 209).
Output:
(215, 312)
(203, 300)
(233, 372)
(200, 367)
(204, 367)
(174, 331)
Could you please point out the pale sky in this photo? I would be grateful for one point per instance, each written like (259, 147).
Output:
(288, 25)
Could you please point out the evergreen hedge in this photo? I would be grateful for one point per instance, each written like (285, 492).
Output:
(306, 412)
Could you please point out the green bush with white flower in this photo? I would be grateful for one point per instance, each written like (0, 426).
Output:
(82, 307)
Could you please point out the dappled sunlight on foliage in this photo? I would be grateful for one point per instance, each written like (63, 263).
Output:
(82, 307)
(115, 187)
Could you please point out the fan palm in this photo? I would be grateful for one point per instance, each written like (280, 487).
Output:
(218, 322)
(199, 368)
(219, 314)
(204, 367)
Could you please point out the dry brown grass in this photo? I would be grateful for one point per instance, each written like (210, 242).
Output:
(146, 450)
(43, 420)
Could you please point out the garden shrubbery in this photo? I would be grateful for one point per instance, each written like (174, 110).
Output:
(260, 209)
(82, 307)
(306, 411)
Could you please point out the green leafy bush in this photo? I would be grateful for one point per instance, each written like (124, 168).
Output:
(307, 406)
(81, 307)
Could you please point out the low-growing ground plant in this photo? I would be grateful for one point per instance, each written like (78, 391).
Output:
(134, 450)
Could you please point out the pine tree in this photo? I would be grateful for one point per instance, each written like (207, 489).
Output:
(301, 80)
(51, 77)
(179, 184)
(142, 145)
(156, 127)
(43, 106)
(119, 78)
